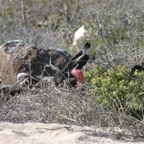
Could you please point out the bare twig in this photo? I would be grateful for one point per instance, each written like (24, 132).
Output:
(24, 19)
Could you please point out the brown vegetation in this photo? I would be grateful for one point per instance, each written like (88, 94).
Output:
(6, 70)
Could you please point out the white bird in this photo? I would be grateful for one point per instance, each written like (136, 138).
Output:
(79, 34)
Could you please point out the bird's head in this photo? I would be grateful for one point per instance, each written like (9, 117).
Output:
(87, 45)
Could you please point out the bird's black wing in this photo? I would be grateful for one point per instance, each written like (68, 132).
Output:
(76, 56)
(79, 62)
(72, 60)
(80, 55)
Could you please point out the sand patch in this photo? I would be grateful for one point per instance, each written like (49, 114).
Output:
(38, 133)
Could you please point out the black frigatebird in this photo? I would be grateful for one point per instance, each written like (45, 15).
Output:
(74, 66)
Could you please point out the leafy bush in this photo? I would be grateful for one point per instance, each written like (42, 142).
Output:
(115, 88)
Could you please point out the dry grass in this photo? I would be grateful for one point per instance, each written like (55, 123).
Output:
(51, 104)
(6, 71)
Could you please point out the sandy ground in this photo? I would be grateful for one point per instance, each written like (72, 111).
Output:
(38, 133)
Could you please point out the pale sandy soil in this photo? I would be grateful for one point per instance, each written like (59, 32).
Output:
(38, 133)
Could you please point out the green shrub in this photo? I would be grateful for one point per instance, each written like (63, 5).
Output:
(115, 88)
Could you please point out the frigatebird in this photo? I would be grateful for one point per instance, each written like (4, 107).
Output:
(73, 67)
